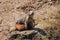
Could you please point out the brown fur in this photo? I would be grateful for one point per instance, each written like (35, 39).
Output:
(20, 26)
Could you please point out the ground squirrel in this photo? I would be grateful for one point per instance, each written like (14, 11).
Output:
(25, 22)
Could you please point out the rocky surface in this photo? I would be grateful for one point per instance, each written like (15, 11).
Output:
(47, 15)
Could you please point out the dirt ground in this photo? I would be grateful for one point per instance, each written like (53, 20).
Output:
(46, 14)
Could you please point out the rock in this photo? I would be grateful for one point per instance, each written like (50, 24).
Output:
(33, 34)
(28, 34)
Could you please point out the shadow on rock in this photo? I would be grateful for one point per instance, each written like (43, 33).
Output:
(29, 36)
(14, 36)
(41, 31)
(22, 36)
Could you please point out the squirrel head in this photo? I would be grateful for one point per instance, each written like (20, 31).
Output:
(31, 14)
